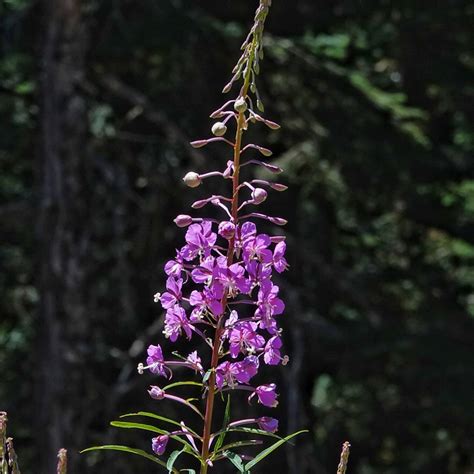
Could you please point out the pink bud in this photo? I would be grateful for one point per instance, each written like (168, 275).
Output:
(199, 204)
(183, 220)
(272, 125)
(199, 143)
(259, 195)
(156, 393)
(264, 151)
(278, 220)
(272, 168)
(226, 230)
(278, 187)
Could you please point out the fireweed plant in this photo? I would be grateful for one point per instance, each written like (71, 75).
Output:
(219, 289)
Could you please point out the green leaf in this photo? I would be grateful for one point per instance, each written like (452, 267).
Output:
(172, 459)
(191, 471)
(238, 444)
(151, 415)
(153, 429)
(220, 439)
(138, 426)
(255, 431)
(126, 449)
(178, 384)
(270, 449)
(236, 460)
(158, 417)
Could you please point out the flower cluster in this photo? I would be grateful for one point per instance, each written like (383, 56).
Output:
(237, 290)
(220, 286)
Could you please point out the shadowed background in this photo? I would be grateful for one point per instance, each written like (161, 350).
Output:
(99, 100)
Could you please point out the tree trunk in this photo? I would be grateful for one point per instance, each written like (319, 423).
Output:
(63, 235)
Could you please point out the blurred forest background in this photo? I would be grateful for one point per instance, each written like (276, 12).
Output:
(99, 99)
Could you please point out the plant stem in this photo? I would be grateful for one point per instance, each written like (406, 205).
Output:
(230, 256)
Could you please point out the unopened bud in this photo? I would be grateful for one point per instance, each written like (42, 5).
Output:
(226, 230)
(183, 220)
(278, 187)
(192, 179)
(219, 129)
(199, 143)
(240, 105)
(265, 151)
(156, 393)
(272, 125)
(259, 195)
(278, 220)
(199, 204)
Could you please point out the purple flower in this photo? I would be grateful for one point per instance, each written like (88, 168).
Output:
(231, 372)
(267, 423)
(200, 239)
(159, 443)
(173, 295)
(175, 267)
(279, 261)
(195, 361)
(256, 247)
(244, 338)
(207, 300)
(175, 322)
(245, 369)
(266, 395)
(155, 361)
(232, 277)
(226, 230)
(272, 351)
(204, 272)
(269, 305)
(225, 374)
(258, 272)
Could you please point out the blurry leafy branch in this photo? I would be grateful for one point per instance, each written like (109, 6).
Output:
(378, 148)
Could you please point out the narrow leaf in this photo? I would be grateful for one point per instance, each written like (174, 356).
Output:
(178, 384)
(126, 449)
(236, 460)
(151, 415)
(172, 459)
(239, 444)
(220, 439)
(270, 449)
(151, 428)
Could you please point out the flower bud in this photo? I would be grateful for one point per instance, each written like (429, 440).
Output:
(183, 220)
(159, 443)
(265, 151)
(259, 195)
(156, 393)
(199, 143)
(226, 230)
(240, 105)
(192, 179)
(267, 424)
(219, 129)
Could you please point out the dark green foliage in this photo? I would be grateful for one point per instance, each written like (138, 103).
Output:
(376, 104)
